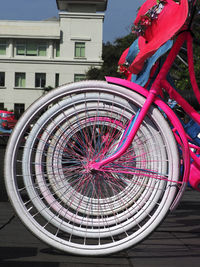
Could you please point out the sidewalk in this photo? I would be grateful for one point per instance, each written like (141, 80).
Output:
(176, 243)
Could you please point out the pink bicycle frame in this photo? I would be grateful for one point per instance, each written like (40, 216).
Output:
(152, 97)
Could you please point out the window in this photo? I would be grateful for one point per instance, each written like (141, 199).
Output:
(1, 106)
(31, 48)
(3, 45)
(79, 49)
(57, 49)
(18, 109)
(40, 80)
(42, 50)
(20, 49)
(20, 79)
(79, 77)
(2, 79)
(57, 80)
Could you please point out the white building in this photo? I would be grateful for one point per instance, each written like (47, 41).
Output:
(35, 55)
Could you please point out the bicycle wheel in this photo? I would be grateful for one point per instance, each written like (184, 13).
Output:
(61, 199)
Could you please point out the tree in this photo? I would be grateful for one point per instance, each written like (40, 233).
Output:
(111, 56)
(181, 72)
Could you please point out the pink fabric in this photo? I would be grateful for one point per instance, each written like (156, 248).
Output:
(123, 57)
(169, 21)
(121, 62)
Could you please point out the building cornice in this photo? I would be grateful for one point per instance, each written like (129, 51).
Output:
(17, 36)
(82, 15)
(53, 61)
(100, 5)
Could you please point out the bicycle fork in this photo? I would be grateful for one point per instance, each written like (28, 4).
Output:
(130, 133)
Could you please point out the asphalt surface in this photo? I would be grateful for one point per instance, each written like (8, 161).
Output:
(176, 242)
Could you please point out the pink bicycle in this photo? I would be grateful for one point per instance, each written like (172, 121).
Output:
(93, 167)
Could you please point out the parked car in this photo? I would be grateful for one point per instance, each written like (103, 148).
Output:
(7, 122)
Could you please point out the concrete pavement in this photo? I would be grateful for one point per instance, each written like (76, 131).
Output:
(175, 243)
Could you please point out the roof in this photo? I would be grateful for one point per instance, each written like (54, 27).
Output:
(29, 29)
(63, 5)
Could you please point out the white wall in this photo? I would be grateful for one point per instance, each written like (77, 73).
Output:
(71, 27)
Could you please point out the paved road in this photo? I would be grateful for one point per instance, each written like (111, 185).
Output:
(176, 243)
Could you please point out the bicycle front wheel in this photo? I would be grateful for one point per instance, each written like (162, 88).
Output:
(61, 199)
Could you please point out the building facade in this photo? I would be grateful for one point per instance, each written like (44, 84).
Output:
(36, 56)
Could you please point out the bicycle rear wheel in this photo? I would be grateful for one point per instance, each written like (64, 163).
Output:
(61, 199)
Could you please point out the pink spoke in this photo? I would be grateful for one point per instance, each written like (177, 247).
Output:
(140, 173)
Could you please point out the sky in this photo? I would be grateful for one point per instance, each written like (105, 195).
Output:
(119, 16)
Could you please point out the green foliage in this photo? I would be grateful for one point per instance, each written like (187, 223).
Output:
(111, 56)
(181, 74)
(47, 89)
